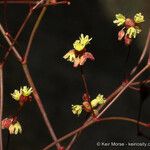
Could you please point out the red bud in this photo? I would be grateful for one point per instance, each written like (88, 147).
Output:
(129, 23)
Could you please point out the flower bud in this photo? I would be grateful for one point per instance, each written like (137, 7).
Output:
(86, 97)
(121, 34)
(129, 23)
(127, 40)
(87, 106)
(6, 123)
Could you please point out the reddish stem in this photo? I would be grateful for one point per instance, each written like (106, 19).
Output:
(1, 104)
(39, 103)
(92, 122)
(17, 35)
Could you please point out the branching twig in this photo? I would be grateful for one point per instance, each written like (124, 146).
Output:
(36, 96)
(17, 35)
(10, 44)
(92, 122)
(108, 99)
(124, 88)
(107, 107)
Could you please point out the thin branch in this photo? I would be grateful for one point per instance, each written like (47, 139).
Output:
(36, 96)
(144, 81)
(34, 31)
(86, 89)
(18, 1)
(108, 99)
(143, 53)
(113, 100)
(18, 56)
(72, 141)
(134, 88)
(92, 122)
(18, 34)
(124, 88)
(33, 2)
(1, 104)
(39, 103)
(84, 82)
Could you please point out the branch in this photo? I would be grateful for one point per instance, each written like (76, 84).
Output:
(124, 88)
(143, 53)
(18, 1)
(17, 35)
(39, 103)
(92, 122)
(34, 31)
(108, 99)
(36, 96)
(18, 56)
(31, 2)
(107, 107)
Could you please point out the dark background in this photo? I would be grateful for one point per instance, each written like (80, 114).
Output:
(59, 84)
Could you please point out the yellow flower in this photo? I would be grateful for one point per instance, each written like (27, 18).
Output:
(80, 44)
(132, 32)
(26, 91)
(85, 40)
(15, 128)
(77, 109)
(16, 95)
(70, 56)
(139, 18)
(99, 100)
(120, 19)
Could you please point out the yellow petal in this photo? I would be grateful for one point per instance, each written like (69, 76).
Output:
(139, 18)
(120, 19)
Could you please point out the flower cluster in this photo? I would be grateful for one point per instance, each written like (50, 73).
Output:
(131, 27)
(12, 125)
(99, 100)
(79, 55)
(22, 95)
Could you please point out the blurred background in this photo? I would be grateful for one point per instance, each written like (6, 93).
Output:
(60, 85)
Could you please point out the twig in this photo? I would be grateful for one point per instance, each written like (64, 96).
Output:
(33, 2)
(39, 103)
(36, 96)
(19, 1)
(18, 34)
(138, 83)
(143, 53)
(86, 89)
(28, 76)
(108, 99)
(113, 100)
(1, 104)
(10, 43)
(34, 31)
(92, 122)
(124, 88)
